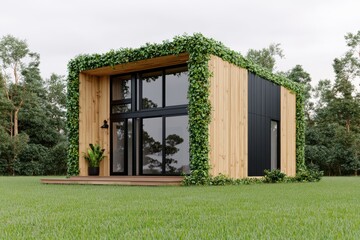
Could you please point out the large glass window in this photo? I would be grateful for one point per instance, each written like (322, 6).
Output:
(121, 87)
(177, 145)
(121, 108)
(152, 145)
(158, 143)
(152, 90)
(177, 84)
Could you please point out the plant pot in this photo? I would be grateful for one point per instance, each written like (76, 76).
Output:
(93, 171)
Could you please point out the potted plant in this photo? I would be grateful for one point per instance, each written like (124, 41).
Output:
(94, 155)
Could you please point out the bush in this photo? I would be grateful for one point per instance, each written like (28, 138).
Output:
(248, 181)
(310, 174)
(197, 177)
(30, 160)
(221, 180)
(274, 176)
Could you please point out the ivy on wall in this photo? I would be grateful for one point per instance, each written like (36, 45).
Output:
(199, 49)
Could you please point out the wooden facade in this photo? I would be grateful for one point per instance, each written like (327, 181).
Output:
(94, 104)
(94, 95)
(288, 132)
(228, 130)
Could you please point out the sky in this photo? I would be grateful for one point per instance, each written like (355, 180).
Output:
(311, 32)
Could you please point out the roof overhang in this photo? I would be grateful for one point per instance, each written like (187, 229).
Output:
(141, 65)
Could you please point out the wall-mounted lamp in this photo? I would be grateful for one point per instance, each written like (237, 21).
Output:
(105, 125)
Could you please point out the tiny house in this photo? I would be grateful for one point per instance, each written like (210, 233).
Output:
(179, 106)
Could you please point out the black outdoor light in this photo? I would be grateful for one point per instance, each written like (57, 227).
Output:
(105, 125)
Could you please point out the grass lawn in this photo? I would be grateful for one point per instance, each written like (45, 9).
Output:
(329, 209)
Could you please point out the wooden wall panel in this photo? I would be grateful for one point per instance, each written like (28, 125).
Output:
(82, 127)
(94, 109)
(288, 132)
(104, 114)
(229, 119)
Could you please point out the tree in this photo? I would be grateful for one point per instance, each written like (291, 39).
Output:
(353, 54)
(56, 100)
(266, 57)
(337, 116)
(32, 114)
(43, 120)
(12, 52)
(299, 75)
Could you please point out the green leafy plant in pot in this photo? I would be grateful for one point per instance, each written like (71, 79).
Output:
(94, 155)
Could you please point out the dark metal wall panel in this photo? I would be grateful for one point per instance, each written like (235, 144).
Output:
(264, 97)
(264, 106)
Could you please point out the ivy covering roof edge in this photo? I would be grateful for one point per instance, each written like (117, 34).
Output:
(199, 49)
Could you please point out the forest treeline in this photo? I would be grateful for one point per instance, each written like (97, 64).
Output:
(32, 114)
(33, 111)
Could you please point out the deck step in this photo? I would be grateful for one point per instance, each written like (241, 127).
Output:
(119, 180)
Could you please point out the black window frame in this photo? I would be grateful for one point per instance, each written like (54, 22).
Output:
(137, 112)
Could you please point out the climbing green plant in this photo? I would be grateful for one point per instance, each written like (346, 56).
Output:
(199, 49)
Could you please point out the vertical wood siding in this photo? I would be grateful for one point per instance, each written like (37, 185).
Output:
(228, 129)
(288, 132)
(104, 114)
(94, 109)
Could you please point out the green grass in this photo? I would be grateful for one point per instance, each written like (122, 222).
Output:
(329, 209)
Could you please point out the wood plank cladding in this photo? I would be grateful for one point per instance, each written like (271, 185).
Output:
(94, 95)
(228, 130)
(157, 62)
(288, 132)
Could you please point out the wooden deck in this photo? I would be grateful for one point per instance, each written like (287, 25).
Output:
(118, 180)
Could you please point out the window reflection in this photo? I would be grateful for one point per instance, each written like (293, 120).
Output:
(121, 108)
(177, 145)
(152, 145)
(152, 90)
(176, 86)
(160, 140)
(118, 146)
(274, 145)
(121, 87)
(129, 145)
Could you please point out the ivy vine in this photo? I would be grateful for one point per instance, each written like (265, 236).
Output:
(199, 48)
